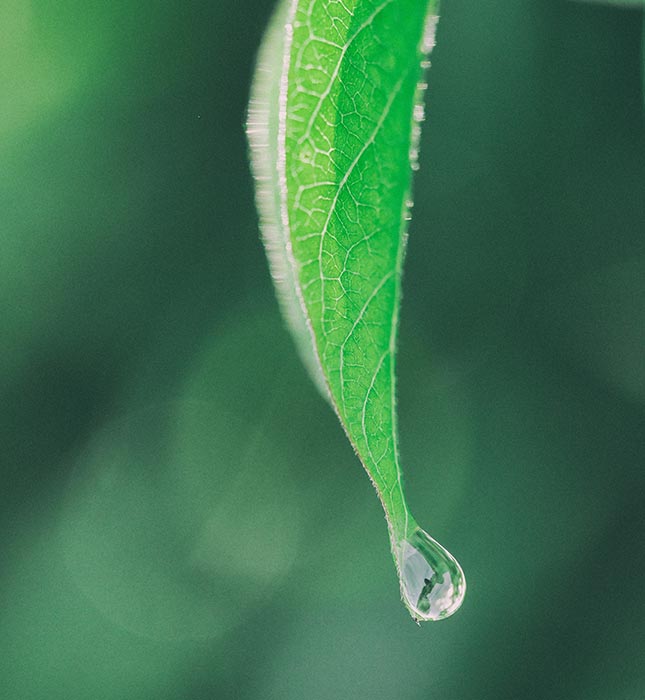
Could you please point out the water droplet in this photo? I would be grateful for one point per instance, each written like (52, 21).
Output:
(433, 584)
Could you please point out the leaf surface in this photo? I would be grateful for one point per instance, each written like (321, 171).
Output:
(333, 125)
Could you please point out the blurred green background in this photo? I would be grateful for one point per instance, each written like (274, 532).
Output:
(182, 516)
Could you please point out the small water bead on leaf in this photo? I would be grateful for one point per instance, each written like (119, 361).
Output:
(433, 585)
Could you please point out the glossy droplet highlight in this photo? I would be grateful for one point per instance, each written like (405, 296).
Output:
(433, 584)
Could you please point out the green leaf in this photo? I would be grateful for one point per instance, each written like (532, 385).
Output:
(333, 125)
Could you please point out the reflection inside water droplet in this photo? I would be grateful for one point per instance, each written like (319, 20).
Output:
(432, 582)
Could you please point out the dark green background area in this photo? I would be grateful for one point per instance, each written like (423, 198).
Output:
(181, 515)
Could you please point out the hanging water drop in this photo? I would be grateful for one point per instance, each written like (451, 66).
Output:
(433, 584)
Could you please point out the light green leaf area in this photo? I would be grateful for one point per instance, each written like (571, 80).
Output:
(333, 125)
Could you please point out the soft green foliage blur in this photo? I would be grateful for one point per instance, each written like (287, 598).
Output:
(181, 517)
